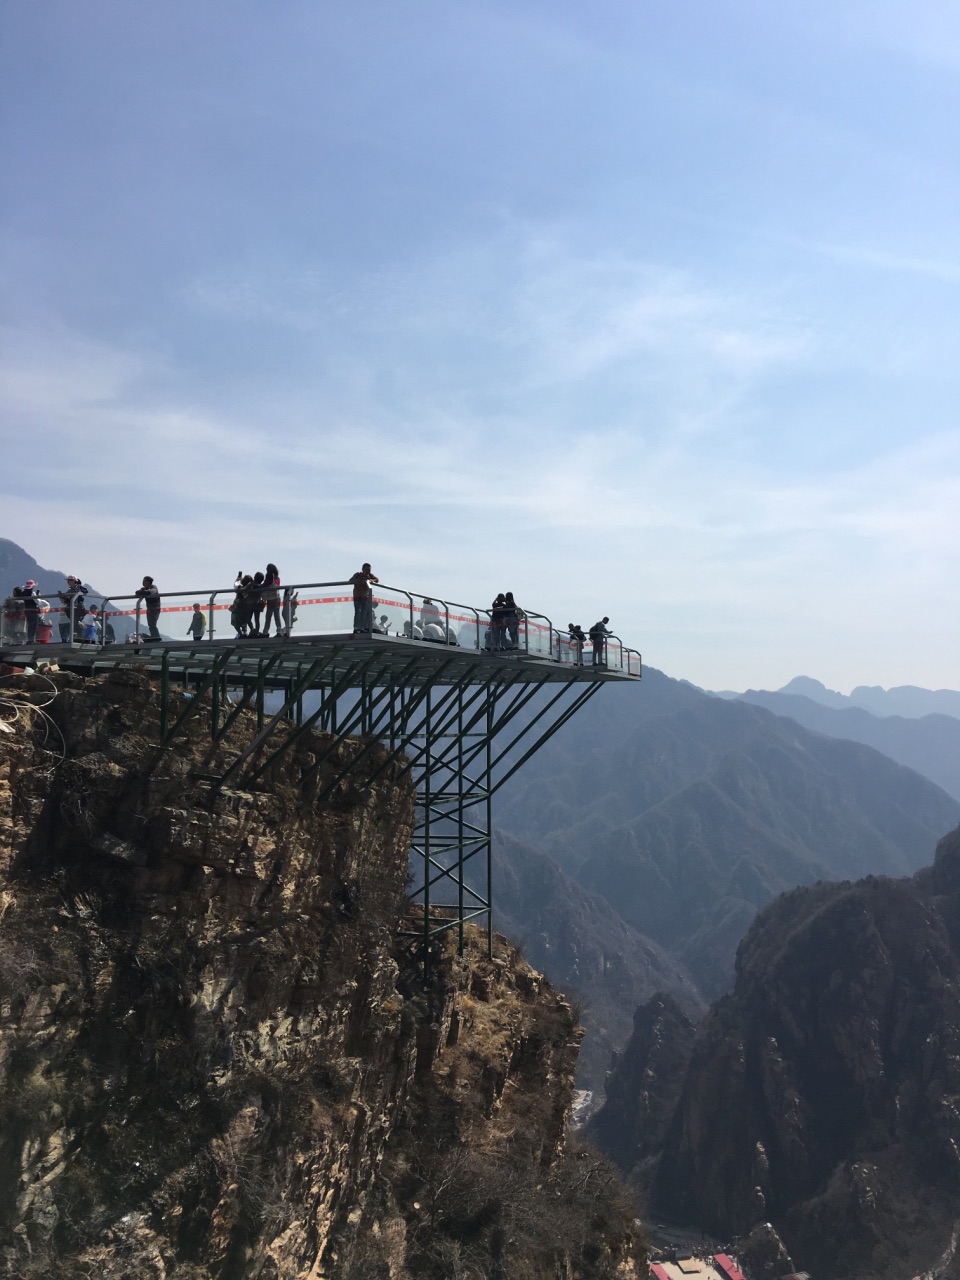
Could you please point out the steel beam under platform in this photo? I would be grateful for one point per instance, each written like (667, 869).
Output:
(460, 722)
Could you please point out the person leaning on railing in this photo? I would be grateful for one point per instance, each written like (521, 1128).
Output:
(149, 593)
(578, 639)
(363, 598)
(598, 637)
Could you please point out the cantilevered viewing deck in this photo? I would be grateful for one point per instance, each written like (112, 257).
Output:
(314, 618)
(448, 693)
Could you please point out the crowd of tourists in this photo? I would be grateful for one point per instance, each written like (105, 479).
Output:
(259, 602)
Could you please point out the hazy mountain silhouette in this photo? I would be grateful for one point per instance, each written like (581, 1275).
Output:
(17, 565)
(930, 744)
(903, 700)
(688, 813)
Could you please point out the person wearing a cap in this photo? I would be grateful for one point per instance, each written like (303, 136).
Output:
(31, 608)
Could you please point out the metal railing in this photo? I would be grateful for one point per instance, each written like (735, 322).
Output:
(310, 609)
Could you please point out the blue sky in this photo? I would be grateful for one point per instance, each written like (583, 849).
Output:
(648, 310)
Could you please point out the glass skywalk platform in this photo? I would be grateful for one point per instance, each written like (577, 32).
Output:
(459, 713)
(314, 618)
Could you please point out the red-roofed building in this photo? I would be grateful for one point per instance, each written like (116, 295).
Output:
(658, 1272)
(727, 1267)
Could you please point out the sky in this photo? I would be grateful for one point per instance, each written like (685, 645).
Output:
(645, 310)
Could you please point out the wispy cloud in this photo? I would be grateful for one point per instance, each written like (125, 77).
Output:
(615, 458)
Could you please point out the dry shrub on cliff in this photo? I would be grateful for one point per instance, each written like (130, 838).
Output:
(480, 1213)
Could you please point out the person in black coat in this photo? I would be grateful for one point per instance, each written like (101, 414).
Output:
(149, 593)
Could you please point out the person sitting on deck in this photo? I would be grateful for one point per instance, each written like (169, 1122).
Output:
(430, 613)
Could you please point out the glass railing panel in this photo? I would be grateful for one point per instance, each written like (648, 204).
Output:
(465, 623)
(613, 653)
(324, 608)
(432, 620)
(568, 651)
(392, 612)
(313, 609)
(537, 633)
(118, 617)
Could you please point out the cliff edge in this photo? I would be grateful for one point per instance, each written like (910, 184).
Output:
(218, 1060)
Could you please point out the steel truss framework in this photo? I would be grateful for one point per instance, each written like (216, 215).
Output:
(461, 723)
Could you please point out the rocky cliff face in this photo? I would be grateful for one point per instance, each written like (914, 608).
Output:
(217, 1060)
(644, 1086)
(824, 1094)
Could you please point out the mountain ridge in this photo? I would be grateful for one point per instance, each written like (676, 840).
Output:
(688, 812)
(820, 1094)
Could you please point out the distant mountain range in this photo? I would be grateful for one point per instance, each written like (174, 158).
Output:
(687, 813)
(903, 700)
(930, 743)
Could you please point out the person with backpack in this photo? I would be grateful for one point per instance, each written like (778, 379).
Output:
(598, 638)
